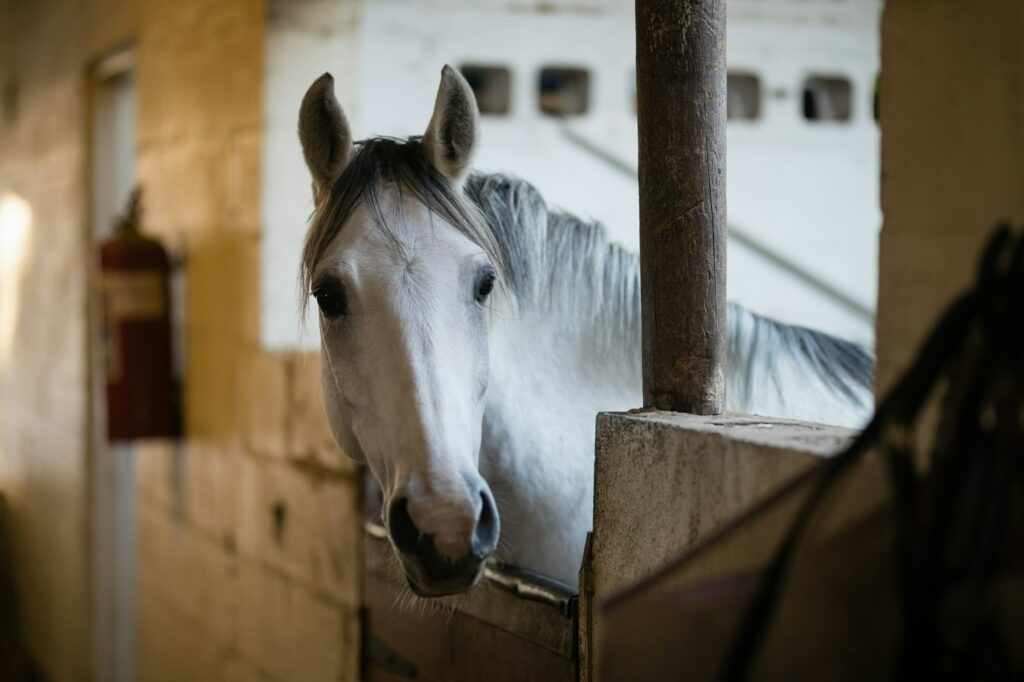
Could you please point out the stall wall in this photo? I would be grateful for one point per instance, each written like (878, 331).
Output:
(248, 562)
(44, 474)
(952, 112)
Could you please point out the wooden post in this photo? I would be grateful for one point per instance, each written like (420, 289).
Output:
(681, 90)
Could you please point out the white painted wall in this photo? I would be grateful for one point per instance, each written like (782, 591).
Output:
(304, 39)
(808, 191)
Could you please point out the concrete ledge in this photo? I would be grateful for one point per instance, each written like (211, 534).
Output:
(665, 481)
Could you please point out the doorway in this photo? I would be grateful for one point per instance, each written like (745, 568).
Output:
(112, 141)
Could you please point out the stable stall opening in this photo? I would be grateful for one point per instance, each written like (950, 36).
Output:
(516, 618)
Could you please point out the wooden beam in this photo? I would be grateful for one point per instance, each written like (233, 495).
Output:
(681, 100)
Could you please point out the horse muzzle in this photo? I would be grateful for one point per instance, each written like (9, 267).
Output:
(432, 573)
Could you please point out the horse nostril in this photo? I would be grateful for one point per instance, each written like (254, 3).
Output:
(485, 540)
(404, 532)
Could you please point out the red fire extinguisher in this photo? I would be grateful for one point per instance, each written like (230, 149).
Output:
(135, 302)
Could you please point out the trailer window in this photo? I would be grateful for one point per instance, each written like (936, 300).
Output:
(827, 98)
(492, 87)
(875, 110)
(564, 91)
(743, 98)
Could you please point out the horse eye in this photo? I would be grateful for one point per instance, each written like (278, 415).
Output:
(330, 296)
(484, 287)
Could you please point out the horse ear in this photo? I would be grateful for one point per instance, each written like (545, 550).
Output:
(324, 133)
(451, 135)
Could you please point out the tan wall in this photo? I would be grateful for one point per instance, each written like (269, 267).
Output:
(248, 534)
(43, 425)
(952, 114)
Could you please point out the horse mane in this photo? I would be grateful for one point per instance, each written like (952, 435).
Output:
(845, 367)
(559, 264)
(563, 267)
(568, 268)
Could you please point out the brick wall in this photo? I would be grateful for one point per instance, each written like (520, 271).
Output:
(248, 530)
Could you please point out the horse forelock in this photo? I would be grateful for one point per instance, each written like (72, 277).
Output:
(378, 165)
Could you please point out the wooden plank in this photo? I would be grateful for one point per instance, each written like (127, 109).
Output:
(404, 643)
(681, 105)
(490, 634)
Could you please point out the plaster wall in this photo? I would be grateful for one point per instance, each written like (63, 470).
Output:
(43, 293)
(249, 554)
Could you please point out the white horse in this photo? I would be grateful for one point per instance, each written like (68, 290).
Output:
(470, 334)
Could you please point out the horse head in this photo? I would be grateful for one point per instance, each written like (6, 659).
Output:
(401, 269)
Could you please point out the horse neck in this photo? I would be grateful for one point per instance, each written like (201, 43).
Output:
(548, 381)
(576, 319)
(582, 356)
(565, 350)
(592, 360)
